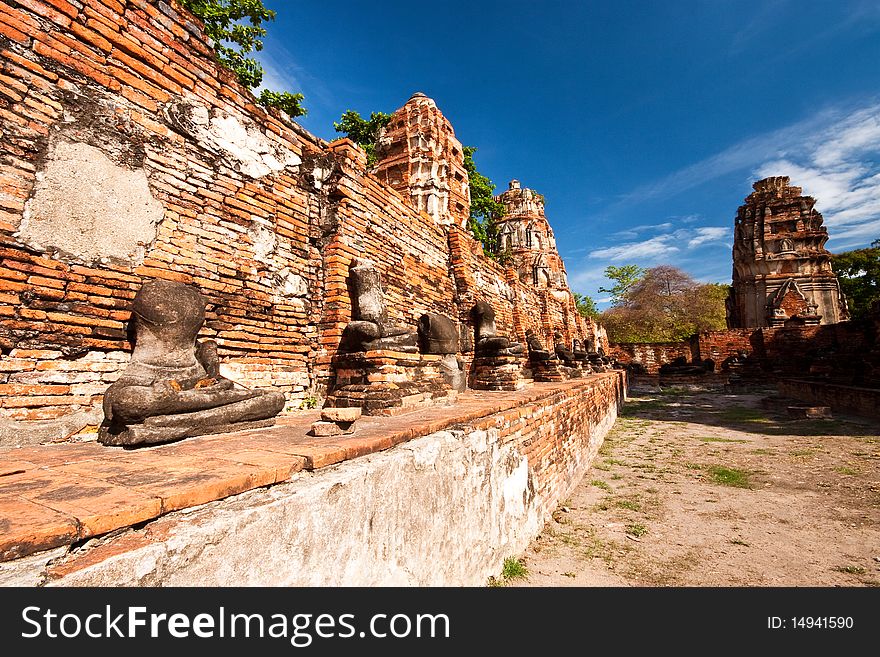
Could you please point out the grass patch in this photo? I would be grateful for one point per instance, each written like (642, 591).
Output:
(636, 530)
(635, 407)
(632, 505)
(850, 570)
(763, 452)
(743, 414)
(737, 541)
(569, 574)
(693, 466)
(598, 483)
(713, 439)
(729, 476)
(513, 568)
(846, 471)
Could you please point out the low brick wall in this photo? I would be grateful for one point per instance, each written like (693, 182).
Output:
(650, 355)
(847, 399)
(445, 508)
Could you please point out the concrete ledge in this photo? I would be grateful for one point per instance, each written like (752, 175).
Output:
(466, 489)
(841, 398)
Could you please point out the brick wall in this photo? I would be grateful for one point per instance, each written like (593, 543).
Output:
(842, 399)
(720, 345)
(651, 355)
(261, 216)
(842, 351)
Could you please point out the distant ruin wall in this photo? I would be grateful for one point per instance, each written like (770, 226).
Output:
(845, 352)
(188, 179)
(651, 355)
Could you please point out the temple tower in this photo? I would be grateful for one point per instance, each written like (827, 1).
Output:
(781, 270)
(419, 156)
(525, 234)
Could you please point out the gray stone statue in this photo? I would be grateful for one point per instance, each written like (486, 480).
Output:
(562, 352)
(172, 388)
(438, 335)
(370, 329)
(536, 349)
(577, 348)
(488, 342)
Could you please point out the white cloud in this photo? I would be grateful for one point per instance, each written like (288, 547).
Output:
(583, 279)
(632, 233)
(840, 167)
(833, 155)
(739, 157)
(709, 235)
(661, 245)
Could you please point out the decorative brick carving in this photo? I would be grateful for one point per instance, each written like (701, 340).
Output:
(419, 156)
(526, 235)
(781, 270)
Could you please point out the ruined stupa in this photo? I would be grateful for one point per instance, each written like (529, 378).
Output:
(782, 272)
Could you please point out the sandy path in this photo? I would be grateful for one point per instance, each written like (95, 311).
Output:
(710, 489)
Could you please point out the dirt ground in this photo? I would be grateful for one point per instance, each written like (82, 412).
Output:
(710, 489)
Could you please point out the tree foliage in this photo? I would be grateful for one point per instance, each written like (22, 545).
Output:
(624, 279)
(365, 133)
(236, 28)
(586, 305)
(663, 305)
(485, 210)
(283, 100)
(859, 275)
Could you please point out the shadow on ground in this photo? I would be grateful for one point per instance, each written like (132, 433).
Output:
(741, 412)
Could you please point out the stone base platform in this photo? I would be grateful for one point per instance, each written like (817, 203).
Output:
(548, 370)
(241, 510)
(497, 373)
(388, 382)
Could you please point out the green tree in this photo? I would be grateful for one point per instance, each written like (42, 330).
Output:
(665, 305)
(859, 274)
(485, 210)
(586, 306)
(236, 28)
(624, 278)
(365, 133)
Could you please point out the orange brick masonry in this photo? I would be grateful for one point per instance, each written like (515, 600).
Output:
(58, 495)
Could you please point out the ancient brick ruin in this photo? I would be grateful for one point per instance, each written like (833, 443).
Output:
(526, 238)
(419, 156)
(787, 318)
(781, 270)
(128, 156)
(191, 181)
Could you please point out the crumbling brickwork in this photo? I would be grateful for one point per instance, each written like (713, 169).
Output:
(846, 352)
(197, 183)
(650, 356)
(781, 270)
(419, 156)
(526, 238)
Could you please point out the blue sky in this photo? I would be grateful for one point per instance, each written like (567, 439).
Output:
(643, 123)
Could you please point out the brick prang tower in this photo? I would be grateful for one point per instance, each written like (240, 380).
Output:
(419, 156)
(782, 272)
(526, 235)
